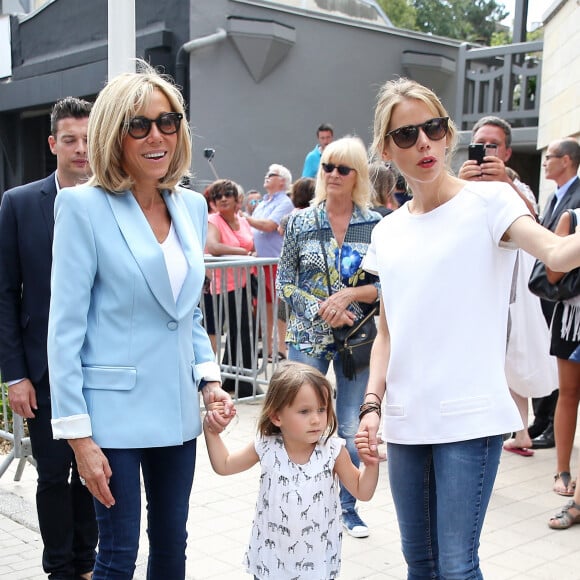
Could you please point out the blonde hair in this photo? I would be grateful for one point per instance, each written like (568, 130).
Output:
(395, 92)
(118, 102)
(348, 151)
(284, 385)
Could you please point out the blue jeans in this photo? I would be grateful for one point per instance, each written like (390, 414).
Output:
(167, 477)
(349, 398)
(441, 493)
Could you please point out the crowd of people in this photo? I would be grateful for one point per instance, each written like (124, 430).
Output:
(106, 352)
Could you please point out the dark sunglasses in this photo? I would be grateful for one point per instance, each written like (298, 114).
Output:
(342, 169)
(167, 123)
(218, 196)
(405, 137)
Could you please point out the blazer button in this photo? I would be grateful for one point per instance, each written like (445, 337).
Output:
(172, 325)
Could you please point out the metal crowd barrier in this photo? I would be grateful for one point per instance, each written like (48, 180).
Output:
(12, 430)
(248, 311)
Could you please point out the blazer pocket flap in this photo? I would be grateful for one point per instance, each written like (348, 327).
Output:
(109, 378)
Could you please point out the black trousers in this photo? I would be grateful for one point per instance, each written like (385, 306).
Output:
(66, 513)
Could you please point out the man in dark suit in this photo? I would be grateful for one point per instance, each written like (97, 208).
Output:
(561, 165)
(65, 508)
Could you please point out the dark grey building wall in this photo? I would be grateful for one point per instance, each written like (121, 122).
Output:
(60, 51)
(331, 74)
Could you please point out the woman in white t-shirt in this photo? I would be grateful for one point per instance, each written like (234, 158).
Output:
(445, 262)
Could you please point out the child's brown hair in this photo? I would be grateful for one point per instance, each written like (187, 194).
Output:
(284, 386)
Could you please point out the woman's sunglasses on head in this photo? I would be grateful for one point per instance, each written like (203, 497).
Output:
(167, 123)
(405, 137)
(342, 169)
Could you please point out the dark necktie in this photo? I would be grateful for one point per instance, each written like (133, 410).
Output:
(550, 209)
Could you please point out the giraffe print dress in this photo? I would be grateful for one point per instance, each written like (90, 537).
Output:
(296, 532)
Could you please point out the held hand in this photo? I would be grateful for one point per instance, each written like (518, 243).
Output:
(366, 440)
(22, 399)
(219, 406)
(94, 469)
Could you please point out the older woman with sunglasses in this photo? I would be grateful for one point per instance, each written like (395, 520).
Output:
(126, 348)
(321, 279)
(230, 234)
(445, 262)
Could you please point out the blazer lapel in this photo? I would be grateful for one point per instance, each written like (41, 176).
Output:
(144, 247)
(47, 197)
(571, 200)
(192, 249)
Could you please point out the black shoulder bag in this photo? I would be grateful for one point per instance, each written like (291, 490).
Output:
(354, 343)
(567, 287)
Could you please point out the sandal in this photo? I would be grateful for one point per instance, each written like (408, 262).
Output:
(564, 519)
(567, 485)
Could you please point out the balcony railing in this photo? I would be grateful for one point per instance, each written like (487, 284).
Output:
(503, 81)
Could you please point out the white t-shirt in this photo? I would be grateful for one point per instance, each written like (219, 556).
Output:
(445, 281)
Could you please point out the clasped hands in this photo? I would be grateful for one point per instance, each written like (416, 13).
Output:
(334, 310)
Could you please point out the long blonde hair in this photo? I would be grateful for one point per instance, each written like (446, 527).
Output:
(118, 102)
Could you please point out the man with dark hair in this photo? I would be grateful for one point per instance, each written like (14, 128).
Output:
(325, 135)
(65, 508)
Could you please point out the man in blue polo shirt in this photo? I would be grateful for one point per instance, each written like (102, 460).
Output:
(325, 135)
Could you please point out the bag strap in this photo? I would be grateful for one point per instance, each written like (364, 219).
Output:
(324, 256)
(573, 221)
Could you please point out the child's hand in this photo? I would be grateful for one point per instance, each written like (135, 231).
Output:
(215, 415)
(367, 455)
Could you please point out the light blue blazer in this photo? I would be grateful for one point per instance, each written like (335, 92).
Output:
(124, 358)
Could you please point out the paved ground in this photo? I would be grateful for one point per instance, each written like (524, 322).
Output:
(516, 544)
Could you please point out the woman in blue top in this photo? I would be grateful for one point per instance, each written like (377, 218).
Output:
(341, 220)
(127, 351)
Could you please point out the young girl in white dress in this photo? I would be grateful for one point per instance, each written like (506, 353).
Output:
(296, 530)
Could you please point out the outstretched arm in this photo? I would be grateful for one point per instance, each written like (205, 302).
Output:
(560, 254)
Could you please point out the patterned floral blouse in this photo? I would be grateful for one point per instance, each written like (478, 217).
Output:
(302, 279)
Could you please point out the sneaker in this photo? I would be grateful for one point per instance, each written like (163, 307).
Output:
(353, 524)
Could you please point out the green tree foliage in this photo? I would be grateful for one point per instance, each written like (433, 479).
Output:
(401, 13)
(469, 20)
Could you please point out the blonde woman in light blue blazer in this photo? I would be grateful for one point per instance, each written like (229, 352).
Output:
(127, 350)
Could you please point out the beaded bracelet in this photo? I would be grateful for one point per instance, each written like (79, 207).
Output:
(367, 408)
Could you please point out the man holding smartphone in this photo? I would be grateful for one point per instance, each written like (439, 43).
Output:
(495, 135)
